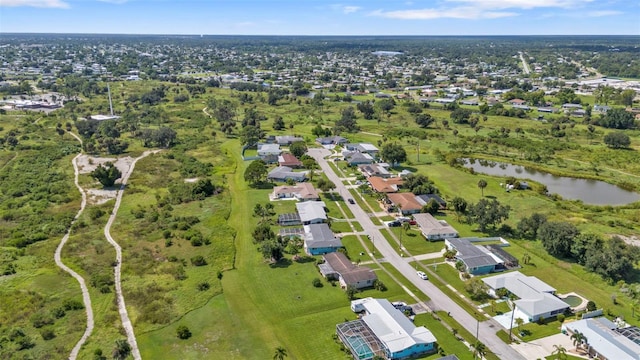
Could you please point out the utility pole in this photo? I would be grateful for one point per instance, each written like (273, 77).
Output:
(513, 311)
(475, 353)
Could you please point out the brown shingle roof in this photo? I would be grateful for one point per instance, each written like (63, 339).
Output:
(407, 201)
(382, 185)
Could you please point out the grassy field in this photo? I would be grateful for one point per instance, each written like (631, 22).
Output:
(266, 306)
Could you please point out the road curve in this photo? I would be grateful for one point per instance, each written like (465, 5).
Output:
(83, 286)
(525, 66)
(439, 300)
(122, 309)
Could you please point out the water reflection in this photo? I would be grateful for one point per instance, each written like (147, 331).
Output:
(589, 191)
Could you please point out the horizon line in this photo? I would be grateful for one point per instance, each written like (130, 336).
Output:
(309, 35)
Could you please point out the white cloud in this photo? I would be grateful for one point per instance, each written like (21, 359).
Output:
(347, 9)
(479, 9)
(35, 3)
(452, 13)
(601, 13)
(522, 4)
(350, 9)
(114, 1)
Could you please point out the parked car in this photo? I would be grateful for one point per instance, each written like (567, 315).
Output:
(351, 201)
(393, 223)
(422, 275)
(412, 222)
(403, 219)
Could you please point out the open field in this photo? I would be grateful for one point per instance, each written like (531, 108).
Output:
(263, 305)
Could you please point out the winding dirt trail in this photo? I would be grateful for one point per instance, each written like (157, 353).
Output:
(122, 309)
(83, 286)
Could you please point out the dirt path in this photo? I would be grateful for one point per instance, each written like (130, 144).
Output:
(122, 309)
(83, 286)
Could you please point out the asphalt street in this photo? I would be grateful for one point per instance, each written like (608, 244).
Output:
(439, 301)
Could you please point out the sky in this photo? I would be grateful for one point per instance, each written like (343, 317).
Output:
(323, 17)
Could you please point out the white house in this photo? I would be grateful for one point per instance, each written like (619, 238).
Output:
(434, 229)
(604, 340)
(536, 298)
(312, 212)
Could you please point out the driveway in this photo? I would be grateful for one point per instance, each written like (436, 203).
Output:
(439, 300)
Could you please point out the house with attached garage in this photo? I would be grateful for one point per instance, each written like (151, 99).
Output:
(319, 239)
(312, 212)
(536, 299)
(605, 340)
(284, 173)
(434, 229)
(385, 185)
(477, 260)
(385, 332)
(356, 158)
(287, 140)
(337, 266)
(301, 192)
(405, 203)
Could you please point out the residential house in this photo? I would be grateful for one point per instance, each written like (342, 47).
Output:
(319, 239)
(571, 107)
(287, 140)
(290, 219)
(385, 185)
(386, 332)
(301, 192)
(312, 212)
(269, 149)
(332, 140)
(287, 159)
(604, 340)
(365, 148)
(434, 229)
(425, 198)
(357, 158)
(374, 170)
(476, 259)
(547, 109)
(405, 203)
(601, 109)
(284, 173)
(536, 299)
(517, 102)
(269, 152)
(337, 266)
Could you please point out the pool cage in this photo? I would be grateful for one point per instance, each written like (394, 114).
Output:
(360, 340)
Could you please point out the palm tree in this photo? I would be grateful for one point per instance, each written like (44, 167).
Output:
(479, 350)
(560, 352)
(519, 322)
(280, 353)
(482, 184)
(578, 338)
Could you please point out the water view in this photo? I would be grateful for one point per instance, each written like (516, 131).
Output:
(592, 192)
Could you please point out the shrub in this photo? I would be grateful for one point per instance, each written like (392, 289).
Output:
(317, 283)
(73, 305)
(58, 312)
(183, 332)
(379, 285)
(560, 318)
(198, 261)
(47, 334)
(203, 286)
(39, 320)
(591, 306)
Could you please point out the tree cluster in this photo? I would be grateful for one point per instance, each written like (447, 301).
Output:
(419, 184)
(487, 213)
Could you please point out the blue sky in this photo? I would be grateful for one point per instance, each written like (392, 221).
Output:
(317, 17)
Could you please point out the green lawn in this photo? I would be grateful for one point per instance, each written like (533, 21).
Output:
(446, 340)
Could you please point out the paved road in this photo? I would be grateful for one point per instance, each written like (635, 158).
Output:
(525, 66)
(57, 257)
(122, 308)
(439, 300)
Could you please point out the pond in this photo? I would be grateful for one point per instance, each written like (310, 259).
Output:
(591, 192)
(572, 300)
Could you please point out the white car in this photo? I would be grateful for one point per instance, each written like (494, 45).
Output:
(422, 275)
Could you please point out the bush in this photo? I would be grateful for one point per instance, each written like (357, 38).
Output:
(198, 261)
(58, 313)
(47, 334)
(203, 286)
(73, 305)
(317, 283)
(591, 306)
(39, 320)
(379, 285)
(183, 332)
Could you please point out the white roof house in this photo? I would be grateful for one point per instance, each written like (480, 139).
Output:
(536, 298)
(268, 149)
(389, 331)
(604, 339)
(434, 229)
(312, 212)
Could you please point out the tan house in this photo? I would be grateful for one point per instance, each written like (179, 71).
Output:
(337, 266)
(301, 192)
